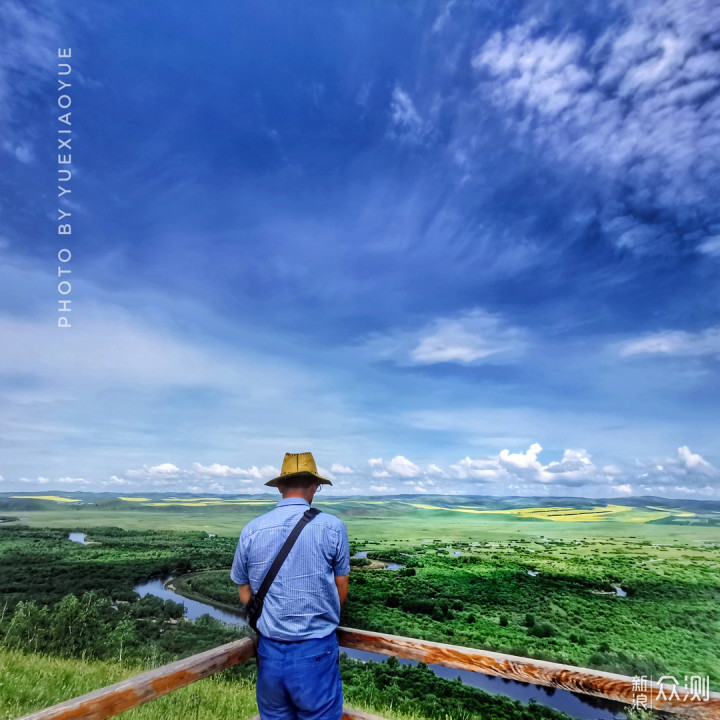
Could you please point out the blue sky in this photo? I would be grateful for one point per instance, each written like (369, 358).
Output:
(454, 247)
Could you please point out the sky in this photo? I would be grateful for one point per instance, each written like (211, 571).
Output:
(455, 247)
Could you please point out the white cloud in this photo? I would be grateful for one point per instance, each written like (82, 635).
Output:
(687, 467)
(23, 152)
(407, 125)
(505, 473)
(324, 472)
(443, 17)
(399, 466)
(167, 475)
(694, 462)
(30, 42)
(710, 246)
(577, 470)
(485, 470)
(103, 349)
(162, 470)
(675, 342)
(539, 72)
(218, 470)
(473, 337)
(506, 468)
(525, 464)
(639, 103)
(574, 469)
(339, 469)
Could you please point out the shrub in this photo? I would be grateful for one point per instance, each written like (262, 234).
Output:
(542, 629)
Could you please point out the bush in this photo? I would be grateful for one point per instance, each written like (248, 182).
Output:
(359, 562)
(542, 629)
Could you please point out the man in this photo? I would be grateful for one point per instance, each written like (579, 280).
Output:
(298, 653)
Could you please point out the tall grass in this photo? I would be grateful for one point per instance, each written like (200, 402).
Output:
(30, 682)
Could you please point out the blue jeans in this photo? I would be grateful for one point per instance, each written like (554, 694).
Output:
(299, 680)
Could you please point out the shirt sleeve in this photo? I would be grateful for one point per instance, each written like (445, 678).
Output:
(238, 572)
(341, 562)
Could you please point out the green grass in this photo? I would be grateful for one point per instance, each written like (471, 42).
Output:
(392, 521)
(32, 682)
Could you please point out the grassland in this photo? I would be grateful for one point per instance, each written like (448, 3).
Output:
(407, 519)
(31, 682)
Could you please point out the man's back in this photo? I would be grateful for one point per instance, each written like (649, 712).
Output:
(298, 652)
(303, 601)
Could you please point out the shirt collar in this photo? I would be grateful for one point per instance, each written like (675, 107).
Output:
(292, 501)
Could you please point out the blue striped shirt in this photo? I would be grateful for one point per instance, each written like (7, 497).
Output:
(303, 601)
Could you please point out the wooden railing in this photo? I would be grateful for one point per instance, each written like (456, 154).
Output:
(121, 696)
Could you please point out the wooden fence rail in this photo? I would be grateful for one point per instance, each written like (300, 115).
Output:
(134, 691)
(539, 672)
(121, 696)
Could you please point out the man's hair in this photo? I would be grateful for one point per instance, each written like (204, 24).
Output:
(296, 483)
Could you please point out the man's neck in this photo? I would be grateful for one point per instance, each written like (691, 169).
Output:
(301, 494)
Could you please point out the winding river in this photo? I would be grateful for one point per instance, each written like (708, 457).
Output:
(579, 706)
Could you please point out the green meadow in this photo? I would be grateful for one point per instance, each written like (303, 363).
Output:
(407, 519)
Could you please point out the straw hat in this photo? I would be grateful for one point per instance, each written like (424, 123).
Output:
(298, 465)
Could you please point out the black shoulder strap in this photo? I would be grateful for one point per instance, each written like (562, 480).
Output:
(308, 515)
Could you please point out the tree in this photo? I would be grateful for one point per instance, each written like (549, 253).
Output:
(122, 634)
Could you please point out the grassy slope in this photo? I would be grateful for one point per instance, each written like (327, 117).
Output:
(32, 682)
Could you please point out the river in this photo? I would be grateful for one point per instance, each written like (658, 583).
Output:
(78, 537)
(578, 706)
(388, 565)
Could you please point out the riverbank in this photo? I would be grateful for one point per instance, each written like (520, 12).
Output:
(182, 585)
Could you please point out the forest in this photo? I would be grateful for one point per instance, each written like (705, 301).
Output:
(569, 611)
